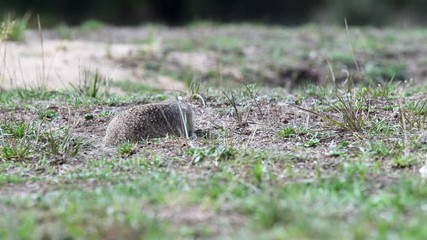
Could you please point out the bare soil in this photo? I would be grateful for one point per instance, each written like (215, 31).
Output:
(160, 57)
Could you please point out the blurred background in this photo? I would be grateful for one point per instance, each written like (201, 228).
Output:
(178, 12)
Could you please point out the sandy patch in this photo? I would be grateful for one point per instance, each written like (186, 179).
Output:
(61, 64)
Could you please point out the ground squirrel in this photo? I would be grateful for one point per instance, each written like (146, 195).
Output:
(153, 120)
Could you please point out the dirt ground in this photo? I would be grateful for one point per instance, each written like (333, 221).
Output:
(164, 58)
(60, 64)
(128, 54)
(290, 66)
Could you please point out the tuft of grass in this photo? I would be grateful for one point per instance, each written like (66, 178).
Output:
(312, 142)
(91, 25)
(13, 141)
(16, 152)
(352, 113)
(257, 171)
(413, 114)
(313, 90)
(26, 141)
(47, 115)
(59, 143)
(287, 132)
(390, 71)
(382, 150)
(16, 130)
(126, 149)
(193, 86)
(405, 161)
(93, 84)
(13, 29)
(233, 101)
(215, 153)
(105, 113)
(340, 149)
(249, 91)
(291, 131)
(358, 169)
(350, 109)
(64, 31)
(385, 89)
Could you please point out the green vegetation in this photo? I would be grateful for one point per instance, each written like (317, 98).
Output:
(126, 149)
(65, 32)
(145, 194)
(47, 115)
(337, 159)
(13, 29)
(134, 87)
(91, 25)
(93, 84)
(215, 153)
(25, 141)
(288, 132)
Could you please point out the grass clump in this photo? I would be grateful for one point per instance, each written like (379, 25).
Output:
(59, 142)
(16, 130)
(291, 131)
(13, 29)
(312, 142)
(215, 153)
(93, 84)
(126, 149)
(287, 132)
(91, 25)
(17, 152)
(47, 115)
(405, 161)
(382, 150)
(389, 71)
(351, 109)
(386, 90)
(347, 111)
(13, 141)
(31, 141)
(64, 31)
(413, 114)
(232, 100)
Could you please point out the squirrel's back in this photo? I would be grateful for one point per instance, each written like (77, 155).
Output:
(154, 120)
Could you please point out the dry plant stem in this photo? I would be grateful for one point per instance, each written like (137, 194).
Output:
(405, 135)
(352, 48)
(201, 99)
(329, 119)
(233, 103)
(3, 63)
(332, 74)
(254, 98)
(219, 70)
(43, 76)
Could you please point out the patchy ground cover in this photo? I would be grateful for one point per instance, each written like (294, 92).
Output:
(169, 58)
(318, 161)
